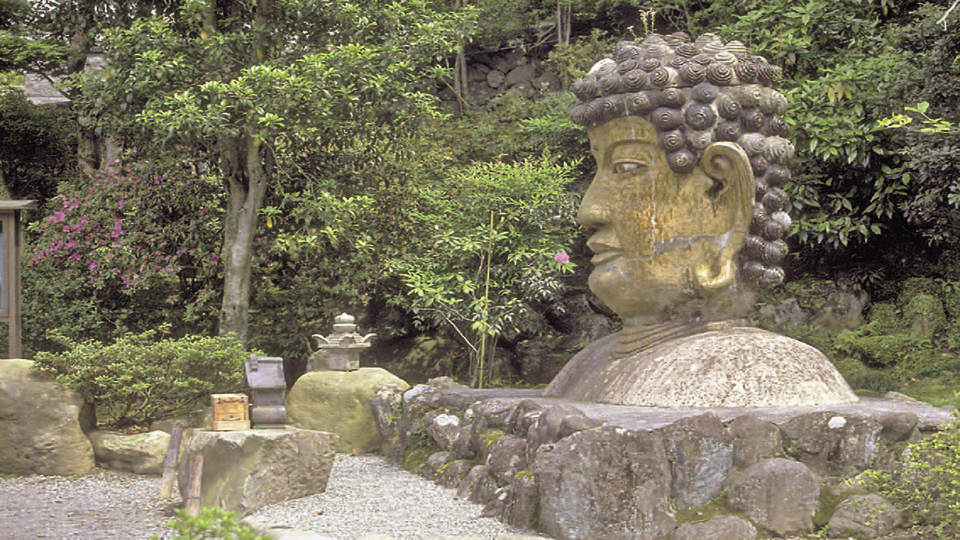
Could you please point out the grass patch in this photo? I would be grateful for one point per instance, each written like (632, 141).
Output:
(939, 392)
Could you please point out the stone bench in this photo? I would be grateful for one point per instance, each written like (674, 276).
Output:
(248, 469)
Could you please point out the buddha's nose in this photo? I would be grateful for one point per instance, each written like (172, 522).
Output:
(595, 207)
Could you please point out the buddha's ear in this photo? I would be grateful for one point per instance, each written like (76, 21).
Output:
(732, 194)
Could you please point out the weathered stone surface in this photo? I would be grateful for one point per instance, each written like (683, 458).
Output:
(249, 469)
(898, 426)
(479, 486)
(443, 428)
(431, 468)
(783, 315)
(780, 495)
(507, 457)
(417, 401)
(482, 424)
(718, 528)
(605, 483)
(525, 415)
(339, 402)
(199, 419)
(141, 453)
(739, 367)
(580, 474)
(864, 516)
(495, 79)
(42, 424)
(516, 504)
(555, 423)
(387, 407)
(833, 444)
(452, 474)
(700, 454)
(753, 440)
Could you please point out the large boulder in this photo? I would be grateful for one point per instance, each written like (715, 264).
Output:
(834, 444)
(249, 469)
(700, 454)
(718, 528)
(753, 440)
(339, 402)
(864, 516)
(141, 453)
(42, 424)
(780, 495)
(605, 483)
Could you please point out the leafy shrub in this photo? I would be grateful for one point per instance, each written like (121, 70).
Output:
(211, 524)
(861, 377)
(877, 351)
(138, 379)
(885, 319)
(928, 484)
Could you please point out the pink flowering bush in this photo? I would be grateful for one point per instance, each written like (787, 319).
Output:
(129, 250)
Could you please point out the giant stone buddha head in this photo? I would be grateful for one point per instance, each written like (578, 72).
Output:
(687, 205)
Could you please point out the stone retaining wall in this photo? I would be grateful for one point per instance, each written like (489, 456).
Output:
(598, 471)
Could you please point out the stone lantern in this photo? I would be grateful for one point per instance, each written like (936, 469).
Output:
(344, 344)
(265, 378)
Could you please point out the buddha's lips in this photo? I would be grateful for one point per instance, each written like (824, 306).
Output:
(606, 256)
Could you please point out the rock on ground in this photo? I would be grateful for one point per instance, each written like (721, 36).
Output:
(42, 424)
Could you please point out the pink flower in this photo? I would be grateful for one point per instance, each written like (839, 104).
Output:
(561, 257)
(57, 217)
(117, 228)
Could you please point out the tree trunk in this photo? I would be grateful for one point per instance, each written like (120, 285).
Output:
(245, 177)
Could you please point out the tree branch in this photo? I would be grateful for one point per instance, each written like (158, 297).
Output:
(943, 20)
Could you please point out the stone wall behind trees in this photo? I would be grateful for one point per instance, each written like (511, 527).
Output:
(496, 72)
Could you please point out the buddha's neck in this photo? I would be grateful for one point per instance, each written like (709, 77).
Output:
(640, 337)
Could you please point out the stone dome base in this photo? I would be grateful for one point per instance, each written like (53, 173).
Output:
(738, 367)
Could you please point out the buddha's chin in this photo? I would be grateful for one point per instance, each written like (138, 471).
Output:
(634, 300)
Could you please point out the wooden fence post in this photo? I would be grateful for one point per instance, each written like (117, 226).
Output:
(194, 476)
(170, 464)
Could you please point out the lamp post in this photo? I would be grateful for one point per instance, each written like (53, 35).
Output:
(344, 344)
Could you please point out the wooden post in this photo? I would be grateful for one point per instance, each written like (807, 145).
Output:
(194, 476)
(170, 464)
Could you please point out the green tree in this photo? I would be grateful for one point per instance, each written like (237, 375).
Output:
(247, 80)
(478, 256)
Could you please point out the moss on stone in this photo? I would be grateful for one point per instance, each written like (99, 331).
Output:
(520, 475)
(706, 511)
(490, 437)
(420, 446)
(829, 501)
(950, 295)
(925, 314)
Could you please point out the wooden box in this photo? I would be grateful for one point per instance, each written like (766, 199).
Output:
(230, 412)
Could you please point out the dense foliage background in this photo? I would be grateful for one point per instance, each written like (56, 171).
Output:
(314, 126)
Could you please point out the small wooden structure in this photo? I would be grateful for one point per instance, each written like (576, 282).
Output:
(230, 412)
(10, 248)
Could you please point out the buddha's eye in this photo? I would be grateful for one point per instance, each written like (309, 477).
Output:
(626, 167)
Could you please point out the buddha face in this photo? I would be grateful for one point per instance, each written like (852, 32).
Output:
(664, 243)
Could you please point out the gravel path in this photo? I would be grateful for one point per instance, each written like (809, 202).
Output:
(366, 495)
